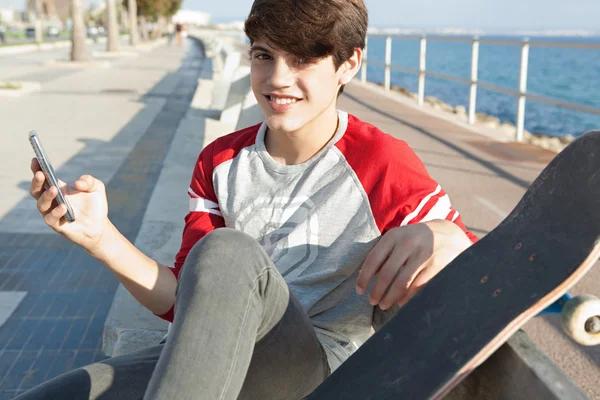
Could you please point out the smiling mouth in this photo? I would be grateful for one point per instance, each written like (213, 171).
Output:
(282, 100)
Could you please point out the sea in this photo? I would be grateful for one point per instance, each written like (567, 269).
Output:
(567, 74)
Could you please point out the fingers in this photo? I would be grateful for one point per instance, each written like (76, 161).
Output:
(44, 203)
(387, 279)
(401, 287)
(35, 165)
(53, 218)
(37, 185)
(87, 183)
(373, 263)
(414, 289)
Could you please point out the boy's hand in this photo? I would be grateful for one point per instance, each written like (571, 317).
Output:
(406, 258)
(88, 200)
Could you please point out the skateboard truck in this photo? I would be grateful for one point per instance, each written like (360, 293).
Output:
(580, 317)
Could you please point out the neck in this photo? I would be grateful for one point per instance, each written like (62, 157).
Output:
(292, 148)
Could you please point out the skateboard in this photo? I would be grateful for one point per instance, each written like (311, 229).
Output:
(465, 313)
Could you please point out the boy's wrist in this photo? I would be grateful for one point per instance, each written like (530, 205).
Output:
(109, 245)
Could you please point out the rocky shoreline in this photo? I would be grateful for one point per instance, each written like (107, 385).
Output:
(504, 128)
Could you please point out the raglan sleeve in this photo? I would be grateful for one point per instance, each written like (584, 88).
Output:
(422, 199)
(204, 214)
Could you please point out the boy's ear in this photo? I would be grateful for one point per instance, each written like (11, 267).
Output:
(351, 66)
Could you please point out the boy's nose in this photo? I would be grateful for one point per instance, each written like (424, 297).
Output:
(281, 75)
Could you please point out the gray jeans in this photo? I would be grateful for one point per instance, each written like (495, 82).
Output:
(238, 333)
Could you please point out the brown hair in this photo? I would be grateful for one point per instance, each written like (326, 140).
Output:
(310, 29)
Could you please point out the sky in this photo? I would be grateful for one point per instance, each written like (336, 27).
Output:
(467, 14)
(503, 15)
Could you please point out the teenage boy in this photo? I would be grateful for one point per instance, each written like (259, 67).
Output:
(302, 232)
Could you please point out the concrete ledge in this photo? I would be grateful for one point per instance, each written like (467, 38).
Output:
(129, 326)
(251, 113)
(159, 238)
(127, 314)
(134, 340)
(25, 89)
(518, 370)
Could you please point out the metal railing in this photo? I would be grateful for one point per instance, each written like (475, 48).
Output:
(474, 83)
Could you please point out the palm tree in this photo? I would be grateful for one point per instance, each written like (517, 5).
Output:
(39, 37)
(134, 37)
(113, 26)
(78, 36)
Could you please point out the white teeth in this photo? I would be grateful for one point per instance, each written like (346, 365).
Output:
(279, 100)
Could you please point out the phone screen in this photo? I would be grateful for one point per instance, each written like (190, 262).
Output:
(51, 179)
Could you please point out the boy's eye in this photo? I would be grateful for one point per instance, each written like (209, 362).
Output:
(262, 56)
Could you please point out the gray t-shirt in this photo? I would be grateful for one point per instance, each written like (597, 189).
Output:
(317, 220)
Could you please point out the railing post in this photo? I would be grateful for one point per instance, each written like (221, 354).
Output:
(522, 89)
(388, 62)
(422, 65)
(473, 91)
(363, 69)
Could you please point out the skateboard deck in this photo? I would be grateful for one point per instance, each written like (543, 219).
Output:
(473, 306)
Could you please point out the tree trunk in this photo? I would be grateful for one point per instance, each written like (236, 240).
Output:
(78, 36)
(39, 37)
(144, 28)
(134, 37)
(162, 25)
(112, 44)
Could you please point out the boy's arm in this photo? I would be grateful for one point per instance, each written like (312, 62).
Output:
(151, 283)
(422, 233)
(407, 257)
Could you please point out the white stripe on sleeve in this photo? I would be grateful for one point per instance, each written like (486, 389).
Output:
(440, 210)
(204, 205)
(416, 212)
(456, 214)
(190, 191)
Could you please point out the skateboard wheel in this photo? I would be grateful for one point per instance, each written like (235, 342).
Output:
(580, 318)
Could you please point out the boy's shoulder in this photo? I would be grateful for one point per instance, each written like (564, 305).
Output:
(227, 147)
(366, 143)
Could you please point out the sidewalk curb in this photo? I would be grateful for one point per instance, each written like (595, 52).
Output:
(129, 326)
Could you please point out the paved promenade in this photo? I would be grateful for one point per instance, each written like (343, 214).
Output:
(118, 124)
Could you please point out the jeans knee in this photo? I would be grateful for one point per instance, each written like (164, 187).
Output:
(222, 250)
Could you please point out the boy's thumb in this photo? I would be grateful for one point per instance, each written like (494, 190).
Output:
(89, 183)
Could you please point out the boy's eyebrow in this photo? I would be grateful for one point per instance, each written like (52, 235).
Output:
(259, 48)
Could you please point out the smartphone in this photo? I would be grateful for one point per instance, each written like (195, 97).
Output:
(51, 179)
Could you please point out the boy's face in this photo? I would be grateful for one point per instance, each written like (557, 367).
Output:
(294, 92)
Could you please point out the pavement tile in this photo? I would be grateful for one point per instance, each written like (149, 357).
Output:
(83, 358)
(62, 363)
(46, 300)
(20, 369)
(58, 334)
(39, 369)
(22, 335)
(58, 326)
(7, 359)
(40, 335)
(75, 335)
(59, 305)
(75, 303)
(8, 330)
